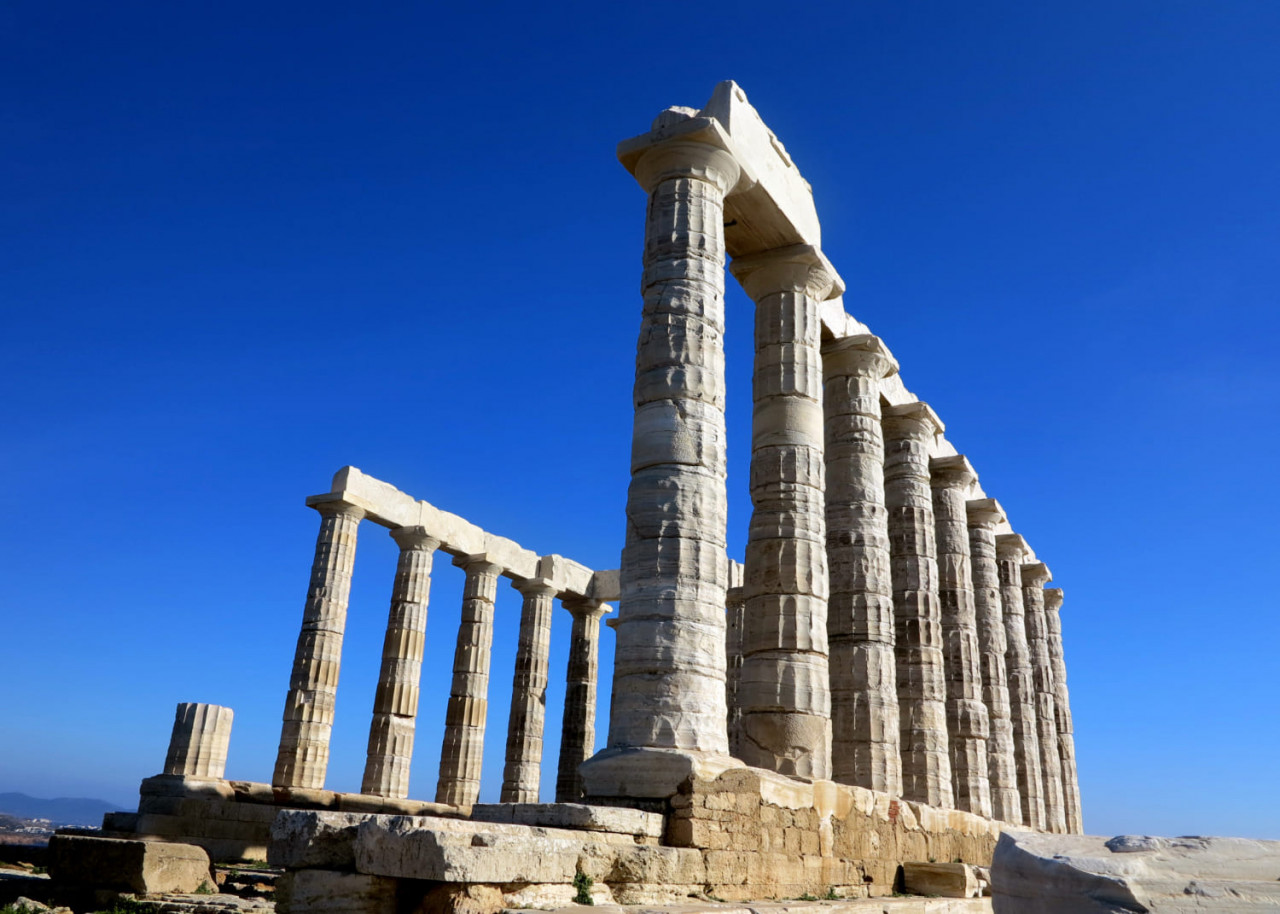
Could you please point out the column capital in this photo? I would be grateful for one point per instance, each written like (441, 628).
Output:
(685, 157)
(414, 539)
(1011, 545)
(1035, 574)
(793, 268)
(951, 472)
(984, 511)
(535, 586)
(864, 355)
(332, 503)
(586, 608)
(1053, 598)
(479, 563)
(915, 419)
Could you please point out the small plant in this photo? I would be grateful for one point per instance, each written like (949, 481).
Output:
(206, 889)
(958, 860)
(40, 870)
(129, 906)
(933, 859)
(831, 894)
(806, 897)
(582, 884)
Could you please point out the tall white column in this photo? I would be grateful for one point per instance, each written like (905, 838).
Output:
(734, 622)
(865, 742)
(199, 742)
(967, 723)
(578, 736)
(523, 771)
(1010, 551)
(1002, 768)
(395, 704)
(462, 753)
(784, 691)
(303, 757)
(909, 432)
(1034, 576)
(1062, 709)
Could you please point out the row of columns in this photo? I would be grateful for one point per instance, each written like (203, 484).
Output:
(879, 636)
(303, 755)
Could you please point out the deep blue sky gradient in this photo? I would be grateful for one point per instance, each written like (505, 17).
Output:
(246, 244)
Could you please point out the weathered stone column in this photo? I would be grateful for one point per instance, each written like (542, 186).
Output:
(462, 752)
(865, 742)
(523, 771)
(909, 432)
(734, 621)
(785, 688)
(303, 757)
(1062, 709)
(1034, 576)
(395, 704)
(668, 712)
(1002, 768)
(1010, 550)
(578, 736)
(199, 742)
(967, 722)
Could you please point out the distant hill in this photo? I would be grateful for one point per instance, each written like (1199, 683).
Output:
(62, 811)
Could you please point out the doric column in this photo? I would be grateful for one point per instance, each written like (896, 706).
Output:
(1002, 768)
(462, 752)
(1034, 576)
(1062, 709)
(734, 620)
(967, 723)
(1010, 550)
(865, 742)
(395, 704)
(199, 742)
(668, 681)
(523, 771)
(303, 757)
(785, 688)
(909, 432)
(578, 736)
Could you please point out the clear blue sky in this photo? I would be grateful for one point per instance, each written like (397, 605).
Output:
(247, 244)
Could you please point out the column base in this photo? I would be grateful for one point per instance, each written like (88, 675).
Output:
(647, 773)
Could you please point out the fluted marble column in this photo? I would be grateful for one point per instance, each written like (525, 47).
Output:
(578, 736)
(734, 620)
(1034, 576)
(967, 722)
(1062, 709)
(303, 757)
(199, 741)
(462, 753)
(1002, 769)
(785, 687)
(395, 704)
(1010, 550)
(668, 682)
(909, 432)
(523, 771)
(865, 742)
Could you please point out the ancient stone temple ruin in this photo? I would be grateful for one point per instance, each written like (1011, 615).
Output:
(879, 683)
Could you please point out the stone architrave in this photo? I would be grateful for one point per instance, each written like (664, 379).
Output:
(968, 727)
(1010, 551)
(578, 733)
(395, 704)
(734, 620)
(462, 752)
(1062, 709)
(668, 706)
(303, 757)
(1034, 576)
(199, 742)
(1002, 768)
(523, 770)
(784, 692)
(909, 432)
(865, 742)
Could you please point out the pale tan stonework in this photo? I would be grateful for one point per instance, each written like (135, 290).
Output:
(1062, 711)
(1034, 576)
(523, 770)
(198, 744)
(578, 733)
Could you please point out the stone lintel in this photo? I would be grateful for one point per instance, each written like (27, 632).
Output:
(1011, 545)
(1053, 598)
(605, 586)
(847, 354)
(950, 472)
(793, 268)
(984, 511)
(916, 410)
(1036, 574)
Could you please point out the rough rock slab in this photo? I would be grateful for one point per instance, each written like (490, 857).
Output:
(843, 906)
(948, 880)
(1083, 874)
(573, 815)
(142, 867)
